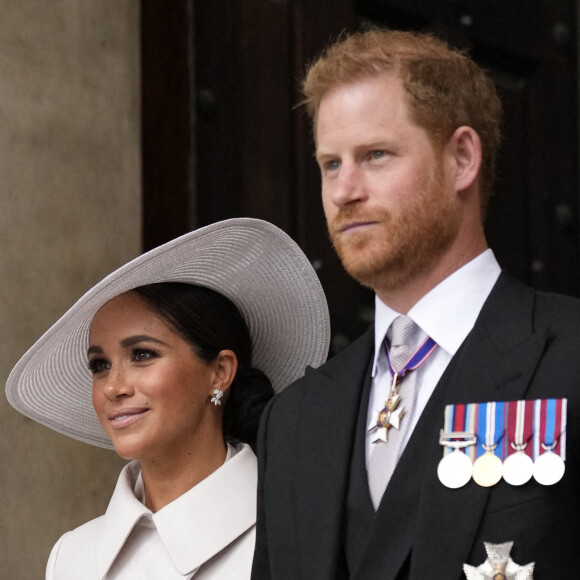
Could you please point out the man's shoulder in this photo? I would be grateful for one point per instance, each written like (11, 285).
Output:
(549, 308)
(359, 352)
(558, 303)
(559, 312)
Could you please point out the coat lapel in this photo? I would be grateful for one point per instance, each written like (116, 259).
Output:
(329, 414)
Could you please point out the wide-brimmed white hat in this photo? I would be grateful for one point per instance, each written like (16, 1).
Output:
(251, 262)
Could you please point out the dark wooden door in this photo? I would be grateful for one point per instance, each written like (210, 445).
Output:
(222, 136)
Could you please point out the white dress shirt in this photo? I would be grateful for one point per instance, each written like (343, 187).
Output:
(446, 314)
(208, 532)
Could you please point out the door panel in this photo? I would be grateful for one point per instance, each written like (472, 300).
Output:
(222, 135)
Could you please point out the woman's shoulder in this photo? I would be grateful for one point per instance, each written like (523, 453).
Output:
(74, 552)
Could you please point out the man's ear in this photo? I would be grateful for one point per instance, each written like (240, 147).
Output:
(465, 147)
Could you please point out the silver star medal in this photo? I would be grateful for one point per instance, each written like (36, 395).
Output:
(389, 416)
(499, 565)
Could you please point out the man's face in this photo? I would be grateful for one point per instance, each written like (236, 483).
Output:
(389, 210)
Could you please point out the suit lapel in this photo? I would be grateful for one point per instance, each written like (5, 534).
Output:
(325, 444)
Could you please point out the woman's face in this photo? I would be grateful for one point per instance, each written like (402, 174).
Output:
(150, 391)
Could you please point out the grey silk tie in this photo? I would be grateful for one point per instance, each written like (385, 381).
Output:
(384, 456)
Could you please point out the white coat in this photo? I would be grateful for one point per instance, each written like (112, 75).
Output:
(207, 533)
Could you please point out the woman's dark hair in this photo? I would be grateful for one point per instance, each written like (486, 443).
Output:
(210, 323)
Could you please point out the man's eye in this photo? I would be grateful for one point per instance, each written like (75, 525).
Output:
(98, 365)
(378, 154)
(333, 165)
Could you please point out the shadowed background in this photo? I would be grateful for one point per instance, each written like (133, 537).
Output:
(125, 123)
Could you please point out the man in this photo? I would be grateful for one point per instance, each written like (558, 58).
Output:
(351, 484)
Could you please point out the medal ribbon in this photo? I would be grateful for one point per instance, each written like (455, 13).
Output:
(550, 422)
(490, 420)
(538, 421)
(416, 359)
(520, 426)
(414, 362)
(461, 418)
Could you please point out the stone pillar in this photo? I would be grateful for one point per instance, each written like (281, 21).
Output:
(70, 212)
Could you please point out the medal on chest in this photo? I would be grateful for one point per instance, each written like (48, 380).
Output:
(390, 415)
(518, 465)
(456, 468)
(488, 468)
(514, 440)
(549, 441)
(393, 412)
(499, 565)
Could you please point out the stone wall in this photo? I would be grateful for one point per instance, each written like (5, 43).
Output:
(69, 213)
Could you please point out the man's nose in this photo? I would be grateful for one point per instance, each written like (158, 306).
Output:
(348, 186)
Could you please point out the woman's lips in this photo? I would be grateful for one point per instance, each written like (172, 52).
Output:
(125, 417)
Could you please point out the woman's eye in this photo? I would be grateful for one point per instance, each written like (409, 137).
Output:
(98, 365)
(143, 354)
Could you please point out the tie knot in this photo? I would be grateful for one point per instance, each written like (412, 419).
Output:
(400, 349)
(402, 330)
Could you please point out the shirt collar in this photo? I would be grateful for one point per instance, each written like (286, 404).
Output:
(448, 312)
(194, 527)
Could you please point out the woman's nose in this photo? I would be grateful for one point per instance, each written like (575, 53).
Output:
(117, 385)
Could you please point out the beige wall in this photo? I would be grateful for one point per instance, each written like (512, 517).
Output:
(69, 213)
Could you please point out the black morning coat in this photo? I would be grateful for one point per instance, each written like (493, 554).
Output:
(525, 345)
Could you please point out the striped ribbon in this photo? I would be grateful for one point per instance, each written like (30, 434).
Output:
(415, 360)
(540, 420)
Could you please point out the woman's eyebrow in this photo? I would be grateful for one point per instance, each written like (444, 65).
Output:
(127, 342)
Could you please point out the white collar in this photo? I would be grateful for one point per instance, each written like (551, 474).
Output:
(448, 312)
(195, 526)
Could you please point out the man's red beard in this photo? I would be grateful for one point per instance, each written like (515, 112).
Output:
(392, 251)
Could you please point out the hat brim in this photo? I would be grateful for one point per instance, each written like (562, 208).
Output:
(251, 262)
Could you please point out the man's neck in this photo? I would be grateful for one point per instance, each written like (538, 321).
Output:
(404, 296)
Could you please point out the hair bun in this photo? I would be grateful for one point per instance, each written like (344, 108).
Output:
(244, 407)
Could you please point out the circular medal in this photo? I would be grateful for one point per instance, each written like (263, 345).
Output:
(455, 469)
(517, 468)
(487, 469)
(548, 468)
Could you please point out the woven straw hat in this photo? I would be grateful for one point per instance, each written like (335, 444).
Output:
(251, 262)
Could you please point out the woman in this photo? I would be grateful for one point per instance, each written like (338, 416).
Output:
(176, 347)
